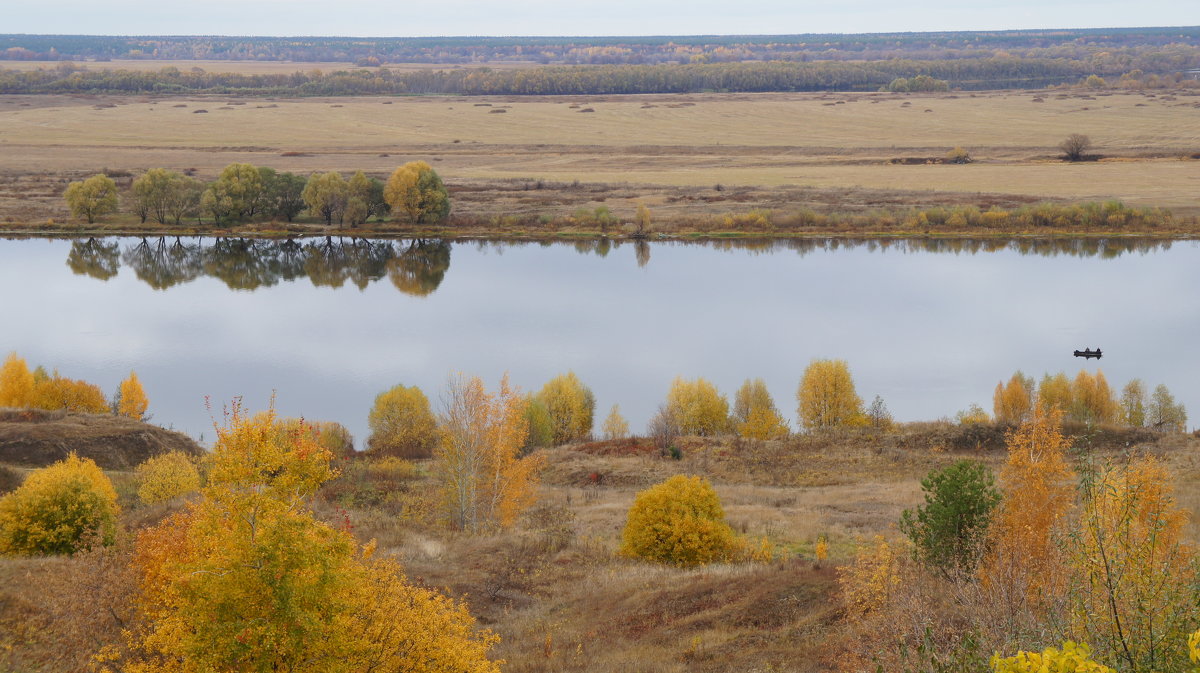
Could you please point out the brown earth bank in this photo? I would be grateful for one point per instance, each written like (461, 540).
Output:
(35, 438)
(555, 589)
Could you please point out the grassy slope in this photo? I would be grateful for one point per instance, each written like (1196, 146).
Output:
(554, 589)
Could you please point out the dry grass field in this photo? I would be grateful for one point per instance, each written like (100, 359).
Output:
(777, 145)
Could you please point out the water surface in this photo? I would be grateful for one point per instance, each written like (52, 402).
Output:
(326, 324)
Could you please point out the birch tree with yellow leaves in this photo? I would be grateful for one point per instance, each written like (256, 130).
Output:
(1024, 568)
(484, 482)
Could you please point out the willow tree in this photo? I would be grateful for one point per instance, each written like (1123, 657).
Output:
(236, 194)
(92, 198)
(416, 191)
(326, 194)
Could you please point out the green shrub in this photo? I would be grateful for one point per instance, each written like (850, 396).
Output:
(948, 531)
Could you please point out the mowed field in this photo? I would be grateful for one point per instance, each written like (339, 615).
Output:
(1148, 143)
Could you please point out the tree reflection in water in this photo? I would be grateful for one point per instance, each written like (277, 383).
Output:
(415, 267)
(418, 267)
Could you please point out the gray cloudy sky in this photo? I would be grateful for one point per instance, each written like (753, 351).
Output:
(575, 17)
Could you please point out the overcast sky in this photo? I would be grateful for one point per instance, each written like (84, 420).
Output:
(575, 17)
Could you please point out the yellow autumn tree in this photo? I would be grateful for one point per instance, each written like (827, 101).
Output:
(571, 407)
(247, 579)
(402, 424)
(16, 382)
(1054, 392)
(827, 398)
(754, 412)
(678, 522)
(416, 192)
(697, 407)
(1133, 572)
(1092, 400)
(132, 402)
(1013, 401)
(166, 476)
(615, 426)
(58, 510)
(1023, 566)
(484, 482)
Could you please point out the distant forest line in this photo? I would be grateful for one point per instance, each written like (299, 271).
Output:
(612, 65)
(1036, 44)
(774, 76)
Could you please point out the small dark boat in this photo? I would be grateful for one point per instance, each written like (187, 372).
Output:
(1088, 354)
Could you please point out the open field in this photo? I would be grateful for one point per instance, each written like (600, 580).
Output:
(658, 148)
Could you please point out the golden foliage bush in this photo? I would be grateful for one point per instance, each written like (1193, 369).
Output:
(402, 424)
(697, 407)
(166, 476)
(58, 510)
(678, 522)
(868, 583)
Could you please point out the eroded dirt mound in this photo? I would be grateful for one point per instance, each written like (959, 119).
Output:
(33, 437)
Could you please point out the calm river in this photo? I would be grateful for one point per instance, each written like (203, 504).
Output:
(325, 325)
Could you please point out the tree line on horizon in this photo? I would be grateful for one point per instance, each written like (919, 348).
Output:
(986, 72)
(1114, 43)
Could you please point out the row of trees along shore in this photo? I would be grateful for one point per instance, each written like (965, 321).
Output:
(990, 72)
(403, 424)
(414, 193)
